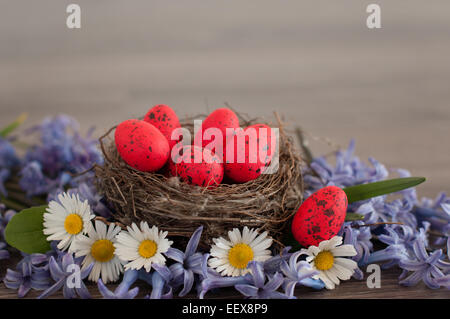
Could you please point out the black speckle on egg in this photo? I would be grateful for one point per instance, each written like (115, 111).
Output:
(329, 212)
(322, 203)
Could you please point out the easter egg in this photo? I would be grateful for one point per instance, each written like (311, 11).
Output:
(141, 145)
(176, 152)
(207, 173)
(165, 120)
(251, 156)
(221, 119)
(320, 216)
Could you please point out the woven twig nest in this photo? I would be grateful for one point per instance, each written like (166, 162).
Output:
(267, 202)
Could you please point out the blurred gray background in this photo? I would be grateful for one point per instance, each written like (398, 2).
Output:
(315, 62)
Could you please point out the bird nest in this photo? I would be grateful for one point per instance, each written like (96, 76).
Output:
(267, 203)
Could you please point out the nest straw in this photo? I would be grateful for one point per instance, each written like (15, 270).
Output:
(267, 202)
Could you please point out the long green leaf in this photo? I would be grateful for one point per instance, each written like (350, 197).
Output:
(351, 217)
(366, 191)
(25, 231)
(11, 127)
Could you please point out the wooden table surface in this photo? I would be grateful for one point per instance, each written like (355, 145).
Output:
(352, 289)
(314, 62)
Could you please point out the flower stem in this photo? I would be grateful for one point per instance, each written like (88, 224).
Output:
(377, 224)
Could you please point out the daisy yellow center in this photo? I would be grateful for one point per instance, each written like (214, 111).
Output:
(73, 224)
(324, 260)
(102, 250)
(147, 248)
(240, 255)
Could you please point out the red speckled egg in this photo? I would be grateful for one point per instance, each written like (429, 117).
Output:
(175, 153)
(164, 119)
(221, 119)
(250, 169)
(207, 173)
(320, 217)
(141, 145)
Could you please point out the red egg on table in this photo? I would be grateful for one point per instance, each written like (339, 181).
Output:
(206, 173)
(256, 153)
(165, 119)
(141, 145)
(320, 216)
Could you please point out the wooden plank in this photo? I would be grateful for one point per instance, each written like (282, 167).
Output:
(352, 289)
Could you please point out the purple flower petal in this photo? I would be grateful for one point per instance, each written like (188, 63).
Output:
(192, 245)
(67, 261)
(129, 278)
(444, 281)
(55, 271)
(163, 271)
(132, 293)
(83, 292)
(247, 290)
(413, 279)
(258, 274)
(188, 282)
(274, 283)
(26, 269)
(50, 291)
(24, 288)
(104, 291)
(175, 254)
(38, 259)
(430, 282)
(157, 285)
(289, 288)
(177, 270)
(168, 294)
(434, 257)
(411, 265)
(69, 293)
(194, 262)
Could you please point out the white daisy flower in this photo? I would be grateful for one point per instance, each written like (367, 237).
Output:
(99, 249)
(326, 259)
(67, 220)
(142, 247)
(231, 257)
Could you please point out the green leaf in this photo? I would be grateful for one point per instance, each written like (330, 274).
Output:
(366, 191)
(11, 127)
(25, 231)
(351, 217)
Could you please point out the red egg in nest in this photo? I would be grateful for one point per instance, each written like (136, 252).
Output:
(208, 172)
(165, 119)
(175, 153)
(320, 216)
(141, 145)
(220, 119)
(246, 156)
